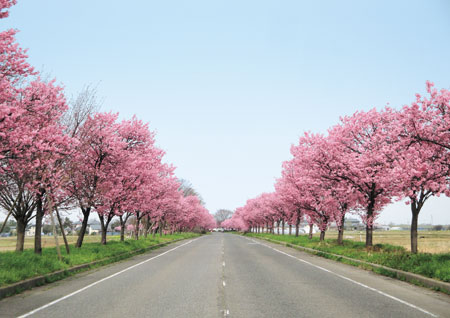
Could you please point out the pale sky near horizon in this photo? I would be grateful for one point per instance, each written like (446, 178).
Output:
(230, 85)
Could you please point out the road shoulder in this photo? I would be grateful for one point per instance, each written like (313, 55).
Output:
(435, 302)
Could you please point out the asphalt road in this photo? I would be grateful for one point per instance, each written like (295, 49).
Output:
(226, 275)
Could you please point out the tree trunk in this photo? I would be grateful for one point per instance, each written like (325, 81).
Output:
(369, 226)
(39, 217)
(103, 228)
(55, 233)
(322, 235)
(6, 220)
(415, 218)
(122, 229)
(161, 228)
(297, 224)
(66, 244)
(340, 239)
(84, 225)
(310, 235)
(290, 229)
(278, 227)
(282, 227)
(136, 229)
(147, 227)
(21, 226)
(369, 236)
(11, 208)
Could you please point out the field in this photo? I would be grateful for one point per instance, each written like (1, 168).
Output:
(429, 241)
(9, 243)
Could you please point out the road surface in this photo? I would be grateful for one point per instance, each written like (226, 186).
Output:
(227, 275)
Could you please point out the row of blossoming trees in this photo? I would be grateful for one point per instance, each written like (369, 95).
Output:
(96, 163)
(362, 164)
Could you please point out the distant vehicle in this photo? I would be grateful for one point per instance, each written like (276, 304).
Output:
(5, 235)
(218, 229)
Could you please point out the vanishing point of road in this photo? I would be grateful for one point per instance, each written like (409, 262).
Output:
(227, 275)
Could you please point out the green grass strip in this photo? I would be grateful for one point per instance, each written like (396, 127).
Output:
(16, 267)
(435, 266)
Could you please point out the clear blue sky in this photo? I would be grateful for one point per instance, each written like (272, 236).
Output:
(230, 85)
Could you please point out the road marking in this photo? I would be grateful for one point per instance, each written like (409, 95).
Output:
(349, 279)
(223, 264)
(226, 313)
(101, 280)
(224, 284)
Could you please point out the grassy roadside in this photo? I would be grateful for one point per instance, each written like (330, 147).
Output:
(435, 266)
(15, 267)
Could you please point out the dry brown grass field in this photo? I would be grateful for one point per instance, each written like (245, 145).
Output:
(429, 241)
(9, 243)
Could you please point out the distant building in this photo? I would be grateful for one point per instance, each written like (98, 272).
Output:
(425, 227)
(13, 230)
(399, 228)
(381, 227)
(30, 231)
(353, 224)
(94, 229)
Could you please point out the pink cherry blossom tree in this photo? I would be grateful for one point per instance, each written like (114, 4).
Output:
(13, 69)
(318, 159)
(422, 160)
(136, 162)
(97, 151)
(291, 194)
(364, 153)
(37, 148)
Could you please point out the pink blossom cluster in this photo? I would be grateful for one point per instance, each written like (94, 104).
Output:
(361, 165)
(100, 165)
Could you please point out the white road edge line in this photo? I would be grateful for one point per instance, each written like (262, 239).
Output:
(224, 284)
(101, 280)
(349, 279)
